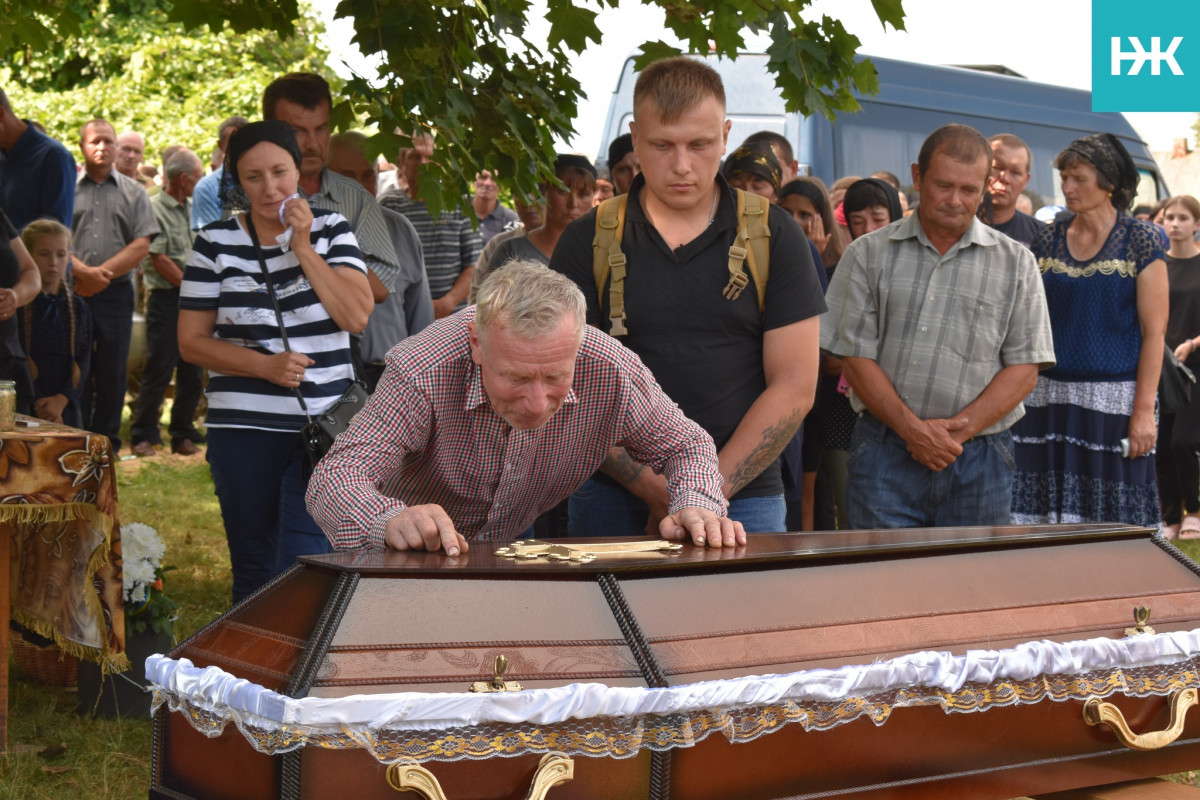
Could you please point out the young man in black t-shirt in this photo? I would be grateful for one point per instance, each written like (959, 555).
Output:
(746, 376)
(1011, 161)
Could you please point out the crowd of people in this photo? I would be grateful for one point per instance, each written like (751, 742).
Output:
(696, 341)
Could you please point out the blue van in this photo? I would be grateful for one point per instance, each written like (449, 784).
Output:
(913, 101)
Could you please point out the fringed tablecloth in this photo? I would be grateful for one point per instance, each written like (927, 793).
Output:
(58, 508)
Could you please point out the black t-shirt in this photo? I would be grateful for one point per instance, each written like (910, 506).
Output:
(1183, 274)
(1021, 227)
(705, 351)
(10, 273)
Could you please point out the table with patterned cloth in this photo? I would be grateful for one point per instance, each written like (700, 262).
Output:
(62, 548)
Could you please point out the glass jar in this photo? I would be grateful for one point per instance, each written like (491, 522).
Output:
(8, 405)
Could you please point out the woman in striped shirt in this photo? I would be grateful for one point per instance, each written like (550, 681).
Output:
(228, 324)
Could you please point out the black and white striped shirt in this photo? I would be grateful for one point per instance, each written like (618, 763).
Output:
(223, 275)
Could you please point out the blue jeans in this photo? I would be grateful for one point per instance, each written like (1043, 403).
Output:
(256, 475)
(887, 488)
(600, 509)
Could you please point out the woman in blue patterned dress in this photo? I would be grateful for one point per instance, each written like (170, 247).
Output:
(1106, 288)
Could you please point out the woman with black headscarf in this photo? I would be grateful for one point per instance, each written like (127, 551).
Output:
(228, 323)
(1083, 448)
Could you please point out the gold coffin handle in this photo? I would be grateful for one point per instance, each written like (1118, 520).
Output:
(552, 770)
(1097, 712)
(414, 778)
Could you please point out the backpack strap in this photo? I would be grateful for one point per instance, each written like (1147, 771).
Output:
(607, 259)
(751, 247)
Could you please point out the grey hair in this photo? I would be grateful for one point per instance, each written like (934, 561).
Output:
(351, 140)
(183, 162)
(528, 300)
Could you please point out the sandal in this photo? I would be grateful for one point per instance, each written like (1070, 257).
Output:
(1190, 527)
(1170, 532)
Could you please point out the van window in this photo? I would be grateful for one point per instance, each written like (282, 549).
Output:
(879, 137)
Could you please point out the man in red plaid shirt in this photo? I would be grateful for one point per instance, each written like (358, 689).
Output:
(494, 415)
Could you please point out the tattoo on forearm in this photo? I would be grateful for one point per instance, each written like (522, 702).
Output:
(620, 467)
(774, 439)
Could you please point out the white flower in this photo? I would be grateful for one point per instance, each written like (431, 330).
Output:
(142, 551)
(141, 542)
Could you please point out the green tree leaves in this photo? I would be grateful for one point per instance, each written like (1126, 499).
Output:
(572, 26)
(467, 70)
(464, 69)
(126, 61)
(34, 27)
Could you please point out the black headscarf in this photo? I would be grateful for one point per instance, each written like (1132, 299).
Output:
(757, 159)
(271, 130)
(870, 192)
(564, 161)
(618, 148)
(1110, 158)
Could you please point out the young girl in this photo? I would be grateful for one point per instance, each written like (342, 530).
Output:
(56, 328)
(1176, 459)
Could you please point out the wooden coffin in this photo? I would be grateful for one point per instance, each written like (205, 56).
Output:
(941, 663)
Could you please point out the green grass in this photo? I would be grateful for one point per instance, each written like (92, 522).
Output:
(102, 759)
(175, 496)
(56, 754)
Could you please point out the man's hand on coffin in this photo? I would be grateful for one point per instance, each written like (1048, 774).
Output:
(703, 526)
(933, 443)
(426, 527)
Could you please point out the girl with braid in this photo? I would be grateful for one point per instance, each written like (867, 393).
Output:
(56, 328)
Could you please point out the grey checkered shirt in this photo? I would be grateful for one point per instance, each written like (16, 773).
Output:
(940, 326)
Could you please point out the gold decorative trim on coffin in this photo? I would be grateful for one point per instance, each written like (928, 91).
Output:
(624, 737)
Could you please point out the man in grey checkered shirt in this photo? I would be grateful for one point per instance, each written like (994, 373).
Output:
(942, 326)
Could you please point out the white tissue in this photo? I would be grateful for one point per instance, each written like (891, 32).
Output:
(284, 240)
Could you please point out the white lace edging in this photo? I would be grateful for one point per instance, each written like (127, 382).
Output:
(219, 693)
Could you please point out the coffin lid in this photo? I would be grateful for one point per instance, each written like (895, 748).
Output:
(659, 650)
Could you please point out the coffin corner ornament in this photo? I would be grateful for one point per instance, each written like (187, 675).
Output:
(497, 683)
(1141, 622)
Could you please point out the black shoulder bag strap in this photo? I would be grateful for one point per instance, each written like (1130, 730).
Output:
(262, 263)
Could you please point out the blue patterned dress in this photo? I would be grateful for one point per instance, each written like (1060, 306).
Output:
(1069, 462)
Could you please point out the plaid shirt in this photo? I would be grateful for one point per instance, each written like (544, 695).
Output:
(939, 326)
(429, 435)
